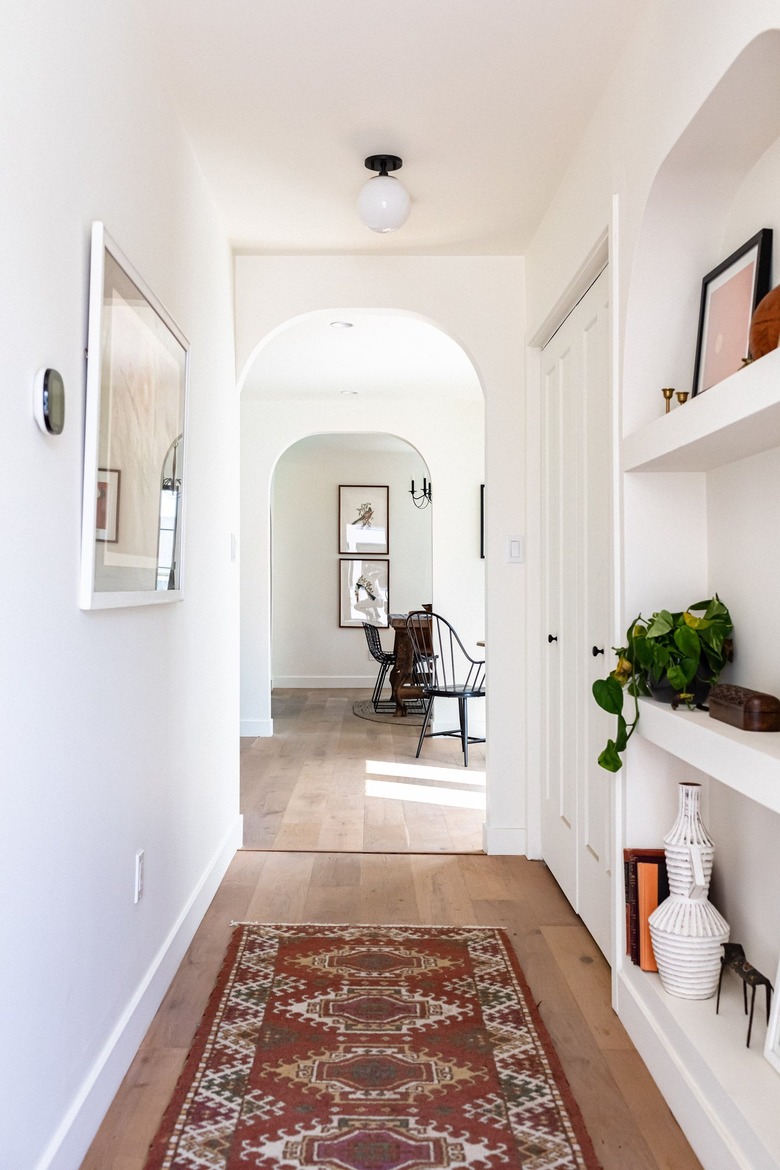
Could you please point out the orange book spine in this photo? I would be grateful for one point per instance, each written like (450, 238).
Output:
(647, 900)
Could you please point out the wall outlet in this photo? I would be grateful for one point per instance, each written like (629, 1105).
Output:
(139, 876)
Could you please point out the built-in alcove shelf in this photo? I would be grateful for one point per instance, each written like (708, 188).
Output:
(738, 417)
(747, 761)
(733, 1086)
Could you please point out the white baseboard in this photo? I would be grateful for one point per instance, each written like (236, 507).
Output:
(72, 1139)
(256, 728)
(504, 842)
(319, 681)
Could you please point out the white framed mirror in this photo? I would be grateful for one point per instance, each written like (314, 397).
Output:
(133, 499)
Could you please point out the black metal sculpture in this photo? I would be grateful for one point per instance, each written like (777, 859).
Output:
(734, 960)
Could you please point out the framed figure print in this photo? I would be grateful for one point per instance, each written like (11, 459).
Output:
(729, 295)
(364, 592)
(363, 519)
(137, 366)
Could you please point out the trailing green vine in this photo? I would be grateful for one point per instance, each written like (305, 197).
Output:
(682, 650)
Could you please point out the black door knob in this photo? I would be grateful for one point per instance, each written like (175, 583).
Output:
(552, 638)
(596, 651)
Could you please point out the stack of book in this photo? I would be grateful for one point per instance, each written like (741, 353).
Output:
(647, 885)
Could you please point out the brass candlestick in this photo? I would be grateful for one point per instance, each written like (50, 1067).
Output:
(682, 396)
(667, 392)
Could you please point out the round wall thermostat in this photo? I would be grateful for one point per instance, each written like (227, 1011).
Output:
(49, 401)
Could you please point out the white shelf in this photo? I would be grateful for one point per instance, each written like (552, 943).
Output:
(747, 761)
(705, 1069)
(738, 417)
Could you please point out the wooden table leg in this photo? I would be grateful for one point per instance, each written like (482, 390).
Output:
(401, 674)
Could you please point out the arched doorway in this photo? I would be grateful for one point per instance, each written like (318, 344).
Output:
(311, 644)
(311, 389)
(404, 377)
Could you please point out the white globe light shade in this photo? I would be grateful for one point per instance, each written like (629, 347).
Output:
(384, 203)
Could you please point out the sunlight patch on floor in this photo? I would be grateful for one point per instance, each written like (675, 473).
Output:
(425, 794)
(425, 772)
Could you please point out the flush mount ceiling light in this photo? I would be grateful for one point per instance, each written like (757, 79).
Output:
(383, 202)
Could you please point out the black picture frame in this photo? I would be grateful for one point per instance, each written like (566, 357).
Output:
(364, 592)
(729, 296)
(364, 519)
(482, 521)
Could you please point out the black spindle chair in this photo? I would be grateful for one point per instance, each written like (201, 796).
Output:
(447, 671)
(386, 660)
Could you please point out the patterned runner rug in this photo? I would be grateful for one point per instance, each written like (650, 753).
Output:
(371, 1048)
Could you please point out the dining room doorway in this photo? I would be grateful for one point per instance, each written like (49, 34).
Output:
(402, 405)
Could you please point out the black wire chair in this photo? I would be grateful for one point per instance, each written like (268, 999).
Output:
(386, 660)
(446, 671)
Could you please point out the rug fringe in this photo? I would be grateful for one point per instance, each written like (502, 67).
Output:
(371, 925)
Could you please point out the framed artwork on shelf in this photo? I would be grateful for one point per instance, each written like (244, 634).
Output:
(364, 592)
(482, 521)
(107, 507)
(772, 1046)
(137, 368)
(729, 296)
(363, 519)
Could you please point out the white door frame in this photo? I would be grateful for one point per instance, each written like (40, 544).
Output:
(604, 253)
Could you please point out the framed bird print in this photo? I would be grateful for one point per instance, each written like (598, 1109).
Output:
(363, 519)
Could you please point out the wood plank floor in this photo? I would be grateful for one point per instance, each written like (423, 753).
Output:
(329, 780)
(630, 1124)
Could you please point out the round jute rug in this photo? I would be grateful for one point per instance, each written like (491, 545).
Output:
(364, 709)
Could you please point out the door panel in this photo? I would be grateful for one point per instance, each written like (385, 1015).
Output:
(576, 446)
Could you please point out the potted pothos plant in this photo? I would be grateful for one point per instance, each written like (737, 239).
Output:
(673, 656)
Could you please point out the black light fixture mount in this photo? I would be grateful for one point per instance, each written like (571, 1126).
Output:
(422, 498)
(384, 163)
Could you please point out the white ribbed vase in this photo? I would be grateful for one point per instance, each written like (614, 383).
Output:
(687, 931)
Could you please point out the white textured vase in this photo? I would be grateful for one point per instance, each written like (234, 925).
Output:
(687, 931)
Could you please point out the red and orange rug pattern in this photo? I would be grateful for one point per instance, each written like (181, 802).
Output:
(371, 1048)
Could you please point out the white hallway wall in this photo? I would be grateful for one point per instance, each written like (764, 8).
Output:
(119, 726)
(677, 57)
(479, 302)
(716, 189)
(680, 56)
(309, 647)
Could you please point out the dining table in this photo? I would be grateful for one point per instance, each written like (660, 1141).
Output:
(403, 685)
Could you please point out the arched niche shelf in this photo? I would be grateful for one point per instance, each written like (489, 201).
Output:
(697, 489)
(685, 226)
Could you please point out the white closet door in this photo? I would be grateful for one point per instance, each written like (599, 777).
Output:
(576, 519)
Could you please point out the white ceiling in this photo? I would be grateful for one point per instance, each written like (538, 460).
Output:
(382, 354)
(365, 443)
(483, 99)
